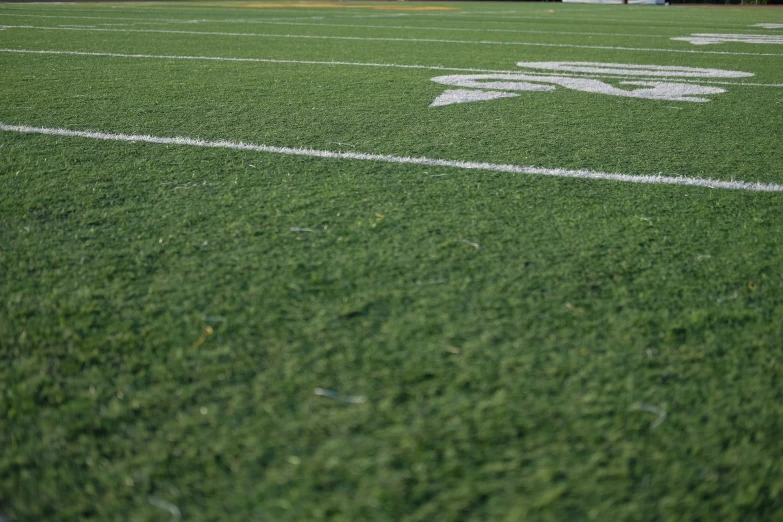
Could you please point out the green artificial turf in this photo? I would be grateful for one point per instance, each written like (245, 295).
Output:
(210, 334)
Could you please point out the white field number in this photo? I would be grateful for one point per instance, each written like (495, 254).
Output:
(711, 38)
(645, 79)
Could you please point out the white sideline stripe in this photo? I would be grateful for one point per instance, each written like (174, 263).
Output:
(368, 64)
(386, 158)
(386, 39)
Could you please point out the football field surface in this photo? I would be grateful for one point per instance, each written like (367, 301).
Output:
(390, 261)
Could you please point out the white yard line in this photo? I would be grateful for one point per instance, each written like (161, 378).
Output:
(365, 64)
(123, 18)
(387, 39)
(148, 20)
(303, 16)
(274, 21)
(431, 28)
(696, 20)
(678, 22)
(261, 60)
(560, 16)
(330, 16)
(655, 179)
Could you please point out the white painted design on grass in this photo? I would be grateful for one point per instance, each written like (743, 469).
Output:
(769, 26)
(709, 38)
(350, 64)
(651, 90)
(627, 69)
(452, 96)
(655, 179)
(389, 39)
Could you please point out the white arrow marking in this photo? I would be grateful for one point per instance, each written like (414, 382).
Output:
(464, 96)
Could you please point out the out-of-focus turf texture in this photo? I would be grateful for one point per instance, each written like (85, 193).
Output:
(610, 352)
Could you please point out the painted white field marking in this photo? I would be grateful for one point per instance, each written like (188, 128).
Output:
(303, 16)
(700, 20)
(709, 38)
(279, 21)
(153, 21)
(388, 39)
(452, 96)
(350, 64)
(470, 29)
(156, 21)
(124, 19)
(655, 179)
(626, 69)
(523, 82)
(258, 60)
(652, 90)
(557, 18)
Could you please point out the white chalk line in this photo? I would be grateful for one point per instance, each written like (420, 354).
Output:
(387, 39)
(655, 179)
(368, 64)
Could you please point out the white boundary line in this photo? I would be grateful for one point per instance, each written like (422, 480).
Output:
(386, 39)
(370, 64)
(385, 158)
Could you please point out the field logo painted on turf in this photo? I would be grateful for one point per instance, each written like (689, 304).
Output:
(494, 86)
